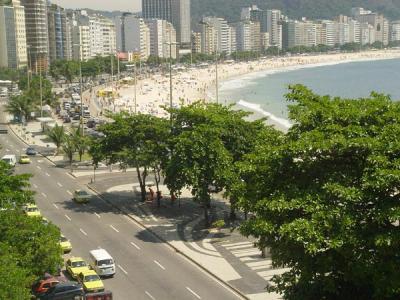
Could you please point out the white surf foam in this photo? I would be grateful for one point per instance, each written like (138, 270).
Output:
(257, 108)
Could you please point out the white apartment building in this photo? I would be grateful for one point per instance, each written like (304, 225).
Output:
(395, 31)
(367, 34)
(354, 31)
(136, 36)
(209, 38)
(343, 33)
(274, 27)
(13, 49)
(223, 34)
(162, 38)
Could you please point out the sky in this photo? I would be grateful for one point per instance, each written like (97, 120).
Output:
(110, 5)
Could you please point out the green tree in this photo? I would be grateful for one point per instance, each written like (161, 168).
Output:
(69, 148)
(57, 136)
(81, 142)
(324, 198)
(20, 106)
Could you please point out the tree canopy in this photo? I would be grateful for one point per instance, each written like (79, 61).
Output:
(325, 197)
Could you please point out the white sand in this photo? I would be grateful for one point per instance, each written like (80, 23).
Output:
(196, 83)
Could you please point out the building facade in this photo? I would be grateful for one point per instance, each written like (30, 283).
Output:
(162, 38)
(274, 27)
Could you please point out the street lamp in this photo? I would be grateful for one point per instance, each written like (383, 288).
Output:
(170, 71)
(216, 77)
(80, 84)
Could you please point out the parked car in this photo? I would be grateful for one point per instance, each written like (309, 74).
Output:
(65, 244)
(24, 159)
(30, 151)
(10, 159)
(42, 286)
(81, 196)
(90, 281)
(62, 291)
(67, 119)
(76, 265)
(106, 295)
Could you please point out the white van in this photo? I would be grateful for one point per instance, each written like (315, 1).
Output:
(10, 159)
(102, 262)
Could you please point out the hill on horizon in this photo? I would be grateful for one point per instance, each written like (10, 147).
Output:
(295, 9)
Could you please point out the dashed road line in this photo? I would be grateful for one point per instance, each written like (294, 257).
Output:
(68, 218)
(122, 269)
(150, 296)
(59, 184)
(83, 232)
(38, 167)
(69, 192)
(134, 245)
(190, 290)
(158, 264)
(97, 215)
(35, 186)
(47, 174)
(55, 205)
(44, 195)
(115, 229)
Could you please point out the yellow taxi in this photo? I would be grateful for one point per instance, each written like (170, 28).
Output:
(24, 159)
(31, 210)
(90, 281)
(65, 244)
(75, 266)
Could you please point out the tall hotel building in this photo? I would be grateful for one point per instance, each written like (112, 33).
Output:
(176, 12)
(13, 52)
(37, 33)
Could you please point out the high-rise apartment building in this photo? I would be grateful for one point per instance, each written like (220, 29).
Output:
(208, 38)
(136, 36)
(59, 33)
(37, 33)
(378, 21)
(176, 12)
(13, 52)
(223, 34)
(274, 27)
(196, 42)
(162, 38)
(395, 31)
(248, 36)
(299, 33)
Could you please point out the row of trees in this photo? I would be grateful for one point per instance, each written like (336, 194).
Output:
(28, 246)
(69, 69)
(323, 197)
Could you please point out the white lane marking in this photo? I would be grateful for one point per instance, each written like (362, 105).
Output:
(160, 265)
(39, 161)
(190, 290)
(97, 215)
(115, 229)
(123, 270)
(59, 184)
(83, 232)
(55, 205)
(150, 296)
(47, 174)
(44, 195)
(134, 245)
(38, 167)
(69, 192)
(35, 186)
(7, 150)
(68, 218)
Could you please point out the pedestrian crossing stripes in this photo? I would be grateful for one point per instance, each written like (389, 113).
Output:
(251, 256)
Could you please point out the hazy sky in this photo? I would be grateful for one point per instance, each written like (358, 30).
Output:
(125, 5)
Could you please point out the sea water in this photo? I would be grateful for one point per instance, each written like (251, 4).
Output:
(263, 93)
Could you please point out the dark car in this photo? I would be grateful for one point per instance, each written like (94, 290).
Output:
(67, 119)
(30, 151)
(91, 124)
(64, 291)
(76, 117)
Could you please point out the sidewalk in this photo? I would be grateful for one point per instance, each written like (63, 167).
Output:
(224, 253)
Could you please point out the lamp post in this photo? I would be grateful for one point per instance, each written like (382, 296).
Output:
(80, 84)
(170, 43)
(216, 77)
(28, 67)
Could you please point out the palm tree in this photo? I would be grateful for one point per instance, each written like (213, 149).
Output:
(81, 142)
(20, 106)
(69, 149)
(57, 135)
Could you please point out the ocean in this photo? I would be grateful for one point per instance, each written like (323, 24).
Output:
(264, 92)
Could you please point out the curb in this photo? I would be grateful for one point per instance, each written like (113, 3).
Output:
(224, 283)
(22, 140)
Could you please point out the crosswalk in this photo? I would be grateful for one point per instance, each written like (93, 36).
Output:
(251, 256)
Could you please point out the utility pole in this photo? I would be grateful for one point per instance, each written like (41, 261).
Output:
(135, 79)
(41, 91)
(112, 81)
(216, 77)
(80, 85)
(28, 67)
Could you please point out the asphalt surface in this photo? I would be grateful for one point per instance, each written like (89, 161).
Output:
(146, 267)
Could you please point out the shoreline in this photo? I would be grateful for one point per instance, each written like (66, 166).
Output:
(193, 84)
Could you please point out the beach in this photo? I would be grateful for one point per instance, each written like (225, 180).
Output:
(193, 84)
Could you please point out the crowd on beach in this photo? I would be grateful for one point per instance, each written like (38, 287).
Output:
(198, 83)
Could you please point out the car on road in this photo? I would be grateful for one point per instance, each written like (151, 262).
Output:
(76, 265)
(90, 281)
(24, 159)
(62, 291)
(10, 159)
(42, 286)
(65, 244)
(31, 210)
(81, 196)
(30, 151)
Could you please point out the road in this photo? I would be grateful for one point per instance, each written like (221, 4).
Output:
(146, 267)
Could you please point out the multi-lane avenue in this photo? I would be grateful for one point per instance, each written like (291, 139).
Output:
(146, 267)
